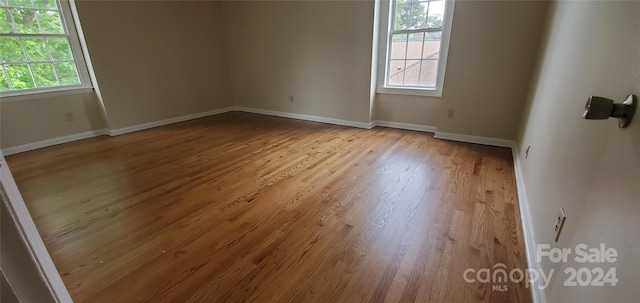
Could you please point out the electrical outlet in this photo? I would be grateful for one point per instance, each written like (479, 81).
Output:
(451, 113)
(559, 223)
(291, 99)
(526, 152)
(69, 117)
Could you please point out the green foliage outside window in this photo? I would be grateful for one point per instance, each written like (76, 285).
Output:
(412, 14)
(34, 48)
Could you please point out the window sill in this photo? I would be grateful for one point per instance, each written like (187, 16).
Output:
(410, 91)
(40, 94)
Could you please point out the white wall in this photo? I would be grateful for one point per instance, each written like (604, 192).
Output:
(591, 168)
(319, 52)
(153, 60)
(492, 55)
(156, 60)
(38, 119)
(175, 63)
(164, 59)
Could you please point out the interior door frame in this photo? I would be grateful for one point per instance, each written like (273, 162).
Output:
(30, 235)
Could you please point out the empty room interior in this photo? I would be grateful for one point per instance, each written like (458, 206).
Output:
(320, 151)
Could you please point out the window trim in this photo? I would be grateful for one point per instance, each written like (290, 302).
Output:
(68, 24)
(386, 13)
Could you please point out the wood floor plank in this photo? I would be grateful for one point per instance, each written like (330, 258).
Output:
(249, 208)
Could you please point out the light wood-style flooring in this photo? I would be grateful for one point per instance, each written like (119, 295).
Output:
(241, 207)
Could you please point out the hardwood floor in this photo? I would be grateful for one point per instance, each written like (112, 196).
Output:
(241, 207)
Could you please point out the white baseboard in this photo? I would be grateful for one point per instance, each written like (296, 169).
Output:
(51, 142)
(474, 139)
(398, 125)
(139, 127)
(407, 126)
(110, 132)
(527, 227)
(357, 124)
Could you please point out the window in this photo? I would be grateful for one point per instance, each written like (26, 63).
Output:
(39, 48)
(414, 43)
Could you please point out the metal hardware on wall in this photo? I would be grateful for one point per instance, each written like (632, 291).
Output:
(599, 108)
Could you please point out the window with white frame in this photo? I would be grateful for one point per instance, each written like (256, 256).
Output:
(39, 48)
(414, 45)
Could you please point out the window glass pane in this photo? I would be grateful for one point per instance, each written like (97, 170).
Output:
(49, 4)
(413, 57)
(398, 46)
(412, 72)
(43, 73)
(431, 49)
(32, 59)
(20, 76)
(414, 46)
(410, 14)
(20, 3)
(436, 13)
(11, 51)
(36, 49)
(396, 72)
(25, 20)
(59, 48)
(67, 73)
(402, 15)
(434, 35)
(5, 24)
(50, 22)
(4, 85)
(428, 73)
(418, 15)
